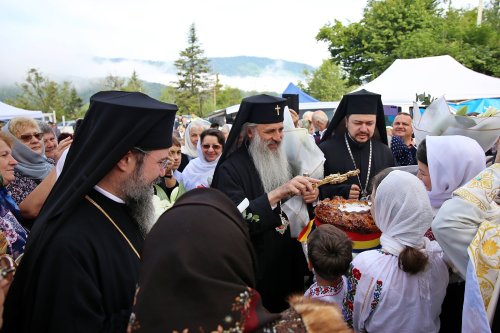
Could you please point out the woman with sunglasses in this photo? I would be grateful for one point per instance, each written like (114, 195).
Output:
(28, 151)
(199, 171)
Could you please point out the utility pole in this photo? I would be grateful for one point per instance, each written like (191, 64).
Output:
(479, 13)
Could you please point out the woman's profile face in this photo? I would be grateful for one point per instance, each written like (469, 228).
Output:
(194, 135)
(424, 176)
(211, 148)
(32, 138)
(7, 163)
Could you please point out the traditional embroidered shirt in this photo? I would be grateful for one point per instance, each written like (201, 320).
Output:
(383, 298)
(332, 294)
(468, 227)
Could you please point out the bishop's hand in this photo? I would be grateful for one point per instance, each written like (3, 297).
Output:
(298, 185)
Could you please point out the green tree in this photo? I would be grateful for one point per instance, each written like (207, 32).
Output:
(168, 95)
(193, 76)
(228, 96)
(365, 49)
(113, 82)
(40, 93)
(37, 92)
(393, 29)
(71, 103)
(326, 83)
(134, 83)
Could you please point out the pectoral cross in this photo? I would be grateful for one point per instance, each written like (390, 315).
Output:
(277, 110)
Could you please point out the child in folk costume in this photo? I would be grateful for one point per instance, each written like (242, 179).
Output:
(329, 251)
(400, 287)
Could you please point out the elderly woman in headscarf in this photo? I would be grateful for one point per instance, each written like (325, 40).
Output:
(191, 138)
(400, 287)
(199, 171)
(14, 234)
(28, 151)
(189, 283)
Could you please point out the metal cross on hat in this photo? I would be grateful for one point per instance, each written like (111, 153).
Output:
(277, 108)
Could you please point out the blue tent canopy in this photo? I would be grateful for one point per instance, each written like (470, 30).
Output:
(478, 105)
(303, 97)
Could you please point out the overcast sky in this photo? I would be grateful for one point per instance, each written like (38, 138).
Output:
(60, 37)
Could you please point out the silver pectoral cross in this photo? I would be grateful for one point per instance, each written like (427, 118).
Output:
(277, 108)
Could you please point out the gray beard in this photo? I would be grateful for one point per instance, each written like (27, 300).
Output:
(272, 166)
(139, 200)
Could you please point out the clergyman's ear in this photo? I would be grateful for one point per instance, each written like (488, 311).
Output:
(125, 162)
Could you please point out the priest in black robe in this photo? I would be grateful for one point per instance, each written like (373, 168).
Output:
(253, 167)
(80, 268)
(356, 139)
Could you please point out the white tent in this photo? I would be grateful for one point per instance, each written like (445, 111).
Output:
(436, 76)
(8, 112)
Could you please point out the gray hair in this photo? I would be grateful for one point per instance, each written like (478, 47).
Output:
(244, 128)
(45, 127)
(320, 116)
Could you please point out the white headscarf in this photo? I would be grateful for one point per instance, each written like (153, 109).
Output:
(453, 160)
(199, 171)
(402, 212)
(188, 148)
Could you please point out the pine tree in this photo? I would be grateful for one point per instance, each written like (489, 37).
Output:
(134, 83)
(193, 71)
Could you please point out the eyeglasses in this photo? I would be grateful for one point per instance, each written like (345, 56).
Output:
(215, 147)
(28, 137)
(165, 163)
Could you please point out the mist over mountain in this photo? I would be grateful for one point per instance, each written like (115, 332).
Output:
(239, 66)
(242, 72)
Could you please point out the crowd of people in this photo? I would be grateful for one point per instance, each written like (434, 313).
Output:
(83, 250)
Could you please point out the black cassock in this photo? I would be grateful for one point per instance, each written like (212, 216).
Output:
(338, 160)
(281, 264)
(86, 279)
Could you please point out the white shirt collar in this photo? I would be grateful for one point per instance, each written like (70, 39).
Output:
(108, 194)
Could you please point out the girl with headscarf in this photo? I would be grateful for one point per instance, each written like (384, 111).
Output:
(189, 282)
(447, 162)
(444, 164)
(191, 138)
(400, 287)
(199, 171)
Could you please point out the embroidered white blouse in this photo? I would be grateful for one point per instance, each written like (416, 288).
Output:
(383, 298)
(331, 294)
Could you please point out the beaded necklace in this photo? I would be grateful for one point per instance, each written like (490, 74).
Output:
(364, 193)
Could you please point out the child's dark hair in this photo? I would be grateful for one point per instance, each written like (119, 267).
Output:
(422, 152)
(412, 260)
(379, 177)
(329, 251)
(175, 141)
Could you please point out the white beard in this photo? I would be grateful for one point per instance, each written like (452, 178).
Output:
(272, 165)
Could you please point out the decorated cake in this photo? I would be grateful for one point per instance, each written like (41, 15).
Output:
(353, 217)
